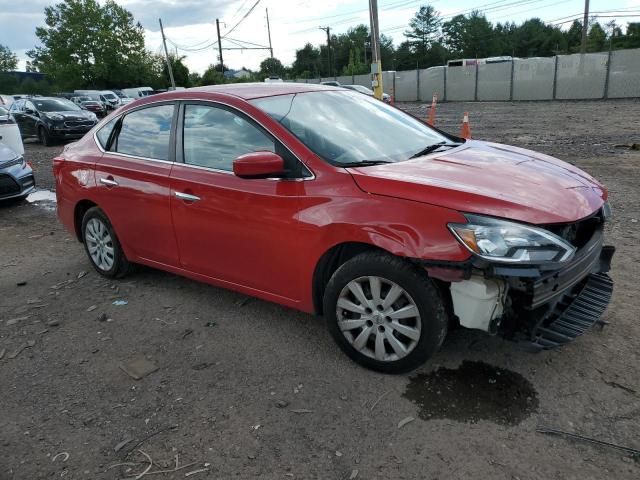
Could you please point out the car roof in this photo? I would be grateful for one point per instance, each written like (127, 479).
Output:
(248, 91)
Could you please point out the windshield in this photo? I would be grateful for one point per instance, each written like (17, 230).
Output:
(346, 127)
(55, 105)
(110, 96)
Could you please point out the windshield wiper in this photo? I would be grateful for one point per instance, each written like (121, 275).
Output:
(432, 148)
(364, 163)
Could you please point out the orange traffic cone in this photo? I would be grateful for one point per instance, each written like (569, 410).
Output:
(432, 110)
(465, 130)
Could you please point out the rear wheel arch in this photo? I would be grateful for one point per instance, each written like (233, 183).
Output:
(80, 209)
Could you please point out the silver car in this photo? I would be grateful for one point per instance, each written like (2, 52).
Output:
(16, 175)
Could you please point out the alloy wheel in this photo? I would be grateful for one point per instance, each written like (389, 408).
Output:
(99, 244)
(378, 318)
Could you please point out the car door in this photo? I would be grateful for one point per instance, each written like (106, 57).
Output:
(239, 231)
(30, 118)
(17, 111)
(132, 182)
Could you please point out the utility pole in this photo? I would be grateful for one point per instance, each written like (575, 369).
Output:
(269, 32)
(585, 27)
(328, 30)
(220, 46)
(166, 54)
(376, 63)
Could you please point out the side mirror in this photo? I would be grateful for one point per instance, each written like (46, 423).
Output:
(258, 165)
(28, 111)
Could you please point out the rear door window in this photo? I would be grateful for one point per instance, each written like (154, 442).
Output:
(146, 132)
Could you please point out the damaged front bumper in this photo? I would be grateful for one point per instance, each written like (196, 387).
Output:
(539, 308)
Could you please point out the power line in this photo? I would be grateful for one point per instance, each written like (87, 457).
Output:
(242, 19)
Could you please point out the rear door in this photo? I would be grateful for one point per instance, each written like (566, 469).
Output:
(132, 182)
(240, 231)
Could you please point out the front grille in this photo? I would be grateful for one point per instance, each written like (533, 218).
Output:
(77, 124)
(578, 233)
(576, 313)
(11, 163)
(8, 186)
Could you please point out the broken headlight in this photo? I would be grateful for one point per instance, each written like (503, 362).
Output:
(510, 242)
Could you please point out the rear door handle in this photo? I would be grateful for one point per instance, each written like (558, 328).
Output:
(110, 182)
(187, 197)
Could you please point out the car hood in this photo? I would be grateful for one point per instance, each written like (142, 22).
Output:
(490, 179)
(6, 153)
(73, 115)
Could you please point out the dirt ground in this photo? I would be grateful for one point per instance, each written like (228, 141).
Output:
(248, 389)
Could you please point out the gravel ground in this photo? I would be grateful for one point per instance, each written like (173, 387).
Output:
(248, 389)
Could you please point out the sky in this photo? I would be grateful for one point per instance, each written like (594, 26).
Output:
(190, 24)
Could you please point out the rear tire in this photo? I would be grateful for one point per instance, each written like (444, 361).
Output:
(44, 137)
(102, 245)
(384, 312)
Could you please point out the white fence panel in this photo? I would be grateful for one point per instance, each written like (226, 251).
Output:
(624, 74)
(432, 81)
(406, 86)
(461, 83)
(364, 80)
(494, 81)
(533, 78)
(581, 76)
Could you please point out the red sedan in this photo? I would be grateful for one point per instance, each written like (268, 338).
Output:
(330, 202)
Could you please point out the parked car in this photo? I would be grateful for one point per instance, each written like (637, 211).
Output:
(6, 101)
(328, 201)
(386, 98)
(16, 175)
(9, 132)
(51, 118)
(273, 79)
(88, 103)
(123, 98)
(110, 99)
(139, 92)
(331, 83)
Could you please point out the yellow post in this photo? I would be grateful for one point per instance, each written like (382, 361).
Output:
(377, 80)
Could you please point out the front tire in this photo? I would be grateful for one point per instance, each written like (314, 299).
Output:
(102, 245)
(44, 137)
(384, 312)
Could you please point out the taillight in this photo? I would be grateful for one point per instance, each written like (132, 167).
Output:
(57, 165)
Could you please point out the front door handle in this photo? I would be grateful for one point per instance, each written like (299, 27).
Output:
(187, 197)
(109, 182)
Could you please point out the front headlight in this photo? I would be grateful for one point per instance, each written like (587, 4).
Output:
(510, 242)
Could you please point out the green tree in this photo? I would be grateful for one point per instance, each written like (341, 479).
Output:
(307, 60)
(212, 76)
(180, 71)
(596, 38)
(195, 79)
(574, 37)
(632, 36)
(470, 36)
(87, 44)
(271, 66)
(8, 59)
(424, 28)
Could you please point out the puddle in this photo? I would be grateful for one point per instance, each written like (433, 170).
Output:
(475, 391)
(43, 198)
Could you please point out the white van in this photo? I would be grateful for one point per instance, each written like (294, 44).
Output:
(139, 92)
